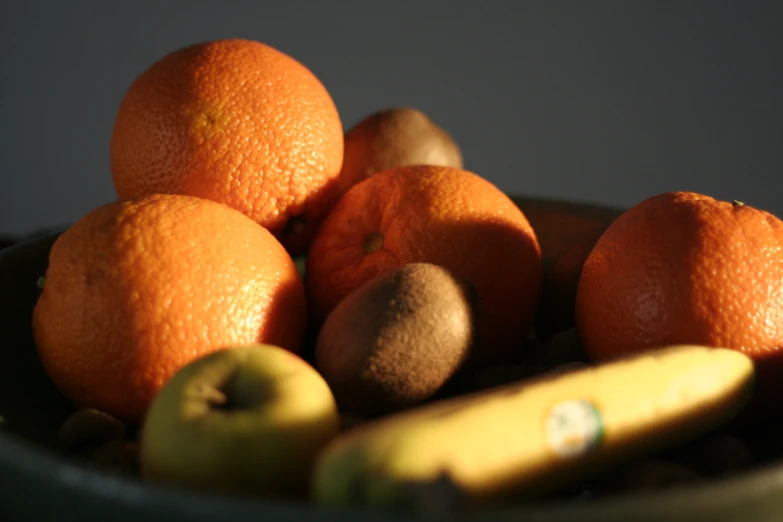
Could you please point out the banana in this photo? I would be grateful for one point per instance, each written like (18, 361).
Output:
(533, 436)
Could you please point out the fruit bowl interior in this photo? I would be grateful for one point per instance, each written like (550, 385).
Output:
(36, 483)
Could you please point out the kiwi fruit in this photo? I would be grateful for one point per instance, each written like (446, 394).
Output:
(394, 137)
(396, 340)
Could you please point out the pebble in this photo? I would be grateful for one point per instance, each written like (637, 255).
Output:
(89, 428)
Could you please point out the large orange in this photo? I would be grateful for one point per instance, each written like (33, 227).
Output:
(682, 267)
(440, 215)
(234, 121)
(134, 290)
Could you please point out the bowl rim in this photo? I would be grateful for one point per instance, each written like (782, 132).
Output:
(752, 491)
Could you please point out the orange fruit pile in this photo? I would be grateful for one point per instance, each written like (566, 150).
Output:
(225, 156)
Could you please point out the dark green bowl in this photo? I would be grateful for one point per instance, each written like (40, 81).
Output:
(38, 484)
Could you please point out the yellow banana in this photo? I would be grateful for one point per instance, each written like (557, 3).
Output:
(526, 438)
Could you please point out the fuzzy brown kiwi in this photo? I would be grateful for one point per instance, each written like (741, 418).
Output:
(394, 137)
(396, 340)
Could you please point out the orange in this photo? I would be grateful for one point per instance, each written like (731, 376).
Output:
(134, 290)
(682, 267)
(238, 122)
(440, 215)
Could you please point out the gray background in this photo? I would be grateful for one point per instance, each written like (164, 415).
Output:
(600, 101)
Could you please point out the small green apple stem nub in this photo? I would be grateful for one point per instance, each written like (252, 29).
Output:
(238, 392)
(41, 281)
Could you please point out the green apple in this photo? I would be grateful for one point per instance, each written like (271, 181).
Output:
(248, 420)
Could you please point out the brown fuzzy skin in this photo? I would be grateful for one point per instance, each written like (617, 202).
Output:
(395, 341)
(395, 137)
